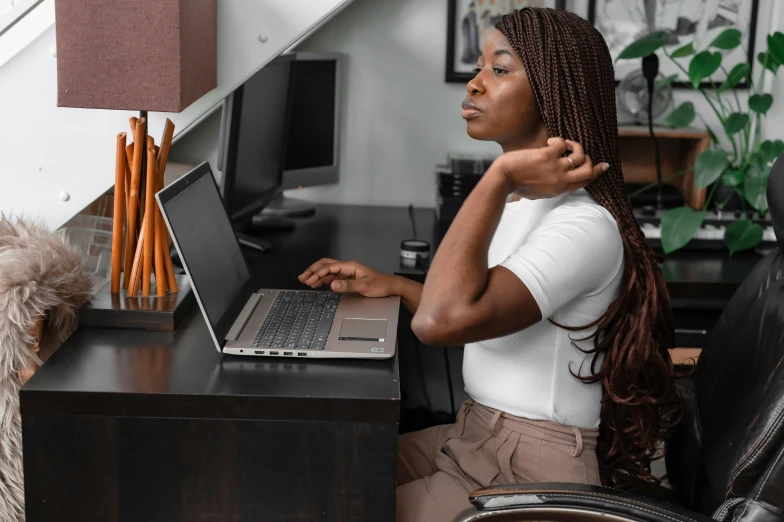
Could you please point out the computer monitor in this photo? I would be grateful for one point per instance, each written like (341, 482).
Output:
(254, 133)
(312, 154)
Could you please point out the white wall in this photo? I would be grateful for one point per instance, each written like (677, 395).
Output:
(49, 151)
(401, 118)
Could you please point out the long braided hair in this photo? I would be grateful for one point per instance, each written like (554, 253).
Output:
(571, 73)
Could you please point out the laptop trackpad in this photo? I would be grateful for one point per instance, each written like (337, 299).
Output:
(363, 330)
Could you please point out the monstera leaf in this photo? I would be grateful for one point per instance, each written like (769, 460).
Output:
(678, 227)
(770, 150)
(735, 123)
(755, 187)
(760, 103)
(735, 76)
(742, 235)
(702, 66)
(686, 50)
(728, 39)
(709, 166)
(644, 46)
(682, 116)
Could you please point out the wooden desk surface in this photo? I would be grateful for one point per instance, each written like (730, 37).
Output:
(180, 374)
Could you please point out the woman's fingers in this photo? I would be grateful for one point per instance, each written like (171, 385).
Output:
(313, 274)
(308, 273)
(577, 155)
(557, 145)
(349, 285)
(585, 174)
(340, 270)
(324, 281)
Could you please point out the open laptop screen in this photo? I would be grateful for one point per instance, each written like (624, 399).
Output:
(208, 247)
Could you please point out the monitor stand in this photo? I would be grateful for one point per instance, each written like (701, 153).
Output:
(253, 243)
(281, 206)
(258, 225)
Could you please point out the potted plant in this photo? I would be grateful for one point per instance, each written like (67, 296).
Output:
(744, 167)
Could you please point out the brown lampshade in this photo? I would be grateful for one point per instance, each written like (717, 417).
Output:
(142, 55)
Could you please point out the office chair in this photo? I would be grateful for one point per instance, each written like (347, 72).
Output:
(726, 460)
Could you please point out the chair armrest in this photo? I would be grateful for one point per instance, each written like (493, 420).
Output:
(570, 502)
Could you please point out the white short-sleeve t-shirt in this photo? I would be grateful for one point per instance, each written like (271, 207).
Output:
(568, 252)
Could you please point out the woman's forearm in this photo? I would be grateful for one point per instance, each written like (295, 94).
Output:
(410, 292)
(458, 274)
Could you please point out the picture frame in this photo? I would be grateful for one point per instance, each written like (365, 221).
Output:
(623, 21)
(468, 22)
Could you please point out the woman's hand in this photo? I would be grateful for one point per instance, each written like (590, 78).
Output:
(546, 172)
(349, 277)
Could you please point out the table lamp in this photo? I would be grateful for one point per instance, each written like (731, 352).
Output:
(146, 55)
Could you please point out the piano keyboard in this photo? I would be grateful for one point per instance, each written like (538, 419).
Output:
(708, 231)
(710, 236)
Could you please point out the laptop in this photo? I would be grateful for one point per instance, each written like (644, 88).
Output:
(244, 320)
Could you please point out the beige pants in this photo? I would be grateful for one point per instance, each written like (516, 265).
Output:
(439, 467)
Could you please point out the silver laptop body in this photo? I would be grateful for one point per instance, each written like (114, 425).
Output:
(243, 320)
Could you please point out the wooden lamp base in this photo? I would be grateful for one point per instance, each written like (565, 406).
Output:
(144, 291)
(109, 310)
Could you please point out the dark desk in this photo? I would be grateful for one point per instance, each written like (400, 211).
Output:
(128, 425)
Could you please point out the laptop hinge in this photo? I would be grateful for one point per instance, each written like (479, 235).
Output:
(243, 318)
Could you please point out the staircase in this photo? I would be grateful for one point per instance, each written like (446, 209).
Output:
(56, 161)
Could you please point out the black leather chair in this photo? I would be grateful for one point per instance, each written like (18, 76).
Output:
(726, 462)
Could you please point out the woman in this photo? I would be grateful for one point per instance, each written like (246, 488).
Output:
(514, 281)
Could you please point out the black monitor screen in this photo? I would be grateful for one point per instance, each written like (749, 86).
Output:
(312, 129)
(257, 138)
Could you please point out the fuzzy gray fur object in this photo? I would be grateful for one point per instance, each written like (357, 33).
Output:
(40, 275)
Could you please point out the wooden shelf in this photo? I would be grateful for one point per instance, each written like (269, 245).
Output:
(678, 150)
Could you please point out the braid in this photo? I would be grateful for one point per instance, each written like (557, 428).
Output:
(571, 73)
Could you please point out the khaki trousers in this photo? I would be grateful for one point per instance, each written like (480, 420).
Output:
(439, 467)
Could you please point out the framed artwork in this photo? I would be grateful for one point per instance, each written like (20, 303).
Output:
(686, 21)
(470, 21)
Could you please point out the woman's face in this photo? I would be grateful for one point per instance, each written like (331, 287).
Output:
(500, 105)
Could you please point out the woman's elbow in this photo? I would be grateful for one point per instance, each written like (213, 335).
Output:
(429, 329)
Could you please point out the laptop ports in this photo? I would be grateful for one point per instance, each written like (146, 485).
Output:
(259, 352)
(288, 353)
(302, 354)
(273, 353)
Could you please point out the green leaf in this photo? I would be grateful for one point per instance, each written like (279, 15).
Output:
(768, 61)
(755, 160)
(664, 82)
(644, 46)
(682, 116)
(735, 122)
(733, 178)
(686, 50)
(728, 39)
(678, 227)
(736, 75)
(709, 166)
(742, 235)
(770, 150)
(760, 103)
(702, 66)
(755, 187)
(776, 46)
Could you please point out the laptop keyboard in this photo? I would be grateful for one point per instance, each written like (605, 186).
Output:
(299, 320)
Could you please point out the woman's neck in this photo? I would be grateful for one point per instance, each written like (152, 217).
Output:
(534, 140)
